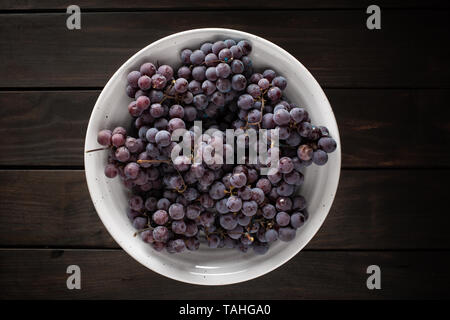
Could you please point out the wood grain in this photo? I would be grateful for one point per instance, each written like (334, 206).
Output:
(383, 209)
(214, 4)
(41, 274)
(335, 46)
(380, 128)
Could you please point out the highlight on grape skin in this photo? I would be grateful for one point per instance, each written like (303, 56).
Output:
(179, 204)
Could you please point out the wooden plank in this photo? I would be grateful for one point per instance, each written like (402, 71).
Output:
(309, 275)
(378, 127)
(373, 209)
(336, 46)
(213, 4)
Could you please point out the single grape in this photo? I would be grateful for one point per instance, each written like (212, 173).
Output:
(163, 204)
(223, 70)
(139, 223)
(234, 204)
(158, 81)
(274, 94)
(225, 54)
(211, 74)
(281, 117)
(271, 235)
(228, 221)
(206, 47)
(258, 195)
(197, 57)
(111, 170)
(294, 178)
(104, 137)
(145, 82)
(190, 113)
(218, 99)
(131, 170)
(320, 157)
(238, 180)
(208, 87)
(192, 244)
(217, 190)
(236, 51)
(218, 46)
(181, 85)
(304, 129)
(286, 234)
(245, 102)
(163, 138)
(327, 144)
(179, 227)
(264, 184)
(285, 190)
(279, 82)
(282, 219)
(284, 204)
(249, 208)
(269, 74)
(245, 46)
(269, 211)
(305, 152)
(285, 165)
(176, 211)
(166, 71)
(118, 140)
(254, 90)
(213, 241)
(132, 78)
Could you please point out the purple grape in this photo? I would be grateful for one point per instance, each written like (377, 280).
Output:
(176, 211)
(181, 85)
(271, 235)
(285, 165)
(218, 46)
(234, 204)
(245, 102)
(217, 190)
(285, 190)
(238, 180)
(211, 74)
(320, 157)
(228, 221)
(166, 71)
(163, 138)
(131, 170)
(264, 184)
(140, 223)
(305, 152)
(327, 144)
(197, 57)
(286, 234)
(281, 117)
(179, 227)
(111, 170)
(269, 211)
(223, 70)
(284, 204)
(133, 78)
(283, 219)
(249, 208)
(237, 66)
(206, 47)
(158, 81)
(274, 94)
(104, 137)
(148, 69)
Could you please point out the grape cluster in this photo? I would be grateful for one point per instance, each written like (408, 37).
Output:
(176, 204)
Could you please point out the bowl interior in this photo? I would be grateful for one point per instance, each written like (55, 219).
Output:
(210, 266)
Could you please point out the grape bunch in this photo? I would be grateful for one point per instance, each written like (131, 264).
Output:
(176, 204)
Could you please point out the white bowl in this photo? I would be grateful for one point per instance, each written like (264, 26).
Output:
(210, 266)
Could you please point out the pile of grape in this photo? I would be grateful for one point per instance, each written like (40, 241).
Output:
(176, 204)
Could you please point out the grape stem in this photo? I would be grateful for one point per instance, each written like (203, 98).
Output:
(98, 149)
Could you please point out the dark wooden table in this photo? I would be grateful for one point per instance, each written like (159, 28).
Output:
(389, 89)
